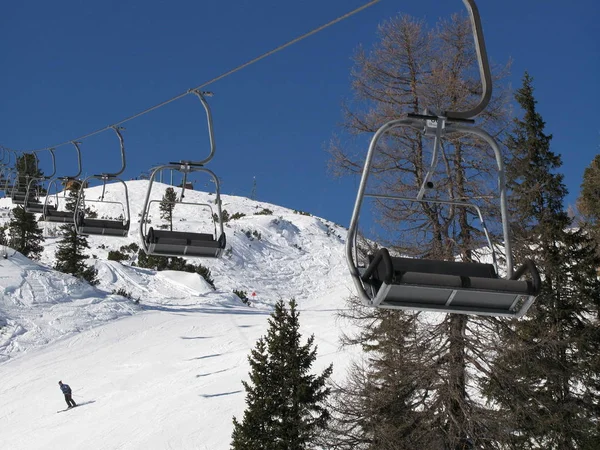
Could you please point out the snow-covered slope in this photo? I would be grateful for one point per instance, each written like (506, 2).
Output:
(39, 305)
(167, 373)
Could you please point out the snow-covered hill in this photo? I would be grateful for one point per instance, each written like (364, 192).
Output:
(164, 374)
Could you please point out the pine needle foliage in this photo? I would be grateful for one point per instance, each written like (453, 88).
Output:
(70, 256)
(588, 202)
(26, 235)
(167, 205)
(546, 377)
(285, 402)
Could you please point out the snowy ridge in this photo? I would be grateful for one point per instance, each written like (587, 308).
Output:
(39, 305)
(167, 373)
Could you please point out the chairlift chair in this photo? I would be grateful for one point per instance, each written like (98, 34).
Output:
(395, 282)
(104, 227)
(18, 192)
(52, 212)
(5, 179)
(4, 169)
(183, 243)
(32, 203)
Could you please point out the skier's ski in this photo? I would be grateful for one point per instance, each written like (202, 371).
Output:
(78, 404)
(63, 410)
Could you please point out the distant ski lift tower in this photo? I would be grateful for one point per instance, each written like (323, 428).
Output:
(253, 193)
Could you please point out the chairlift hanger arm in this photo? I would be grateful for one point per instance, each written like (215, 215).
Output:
(14, 153)
(47, 177)
(211, 136)
(484, 67)
(37, 161)
(108, 176)
(78, 150)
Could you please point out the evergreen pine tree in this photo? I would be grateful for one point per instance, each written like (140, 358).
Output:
(27, 169)
(25, 234)
(284, 401)
(155, 262)
(3, 238)
(588, 202)
(546, 376)
(69, 256)
(167, 205)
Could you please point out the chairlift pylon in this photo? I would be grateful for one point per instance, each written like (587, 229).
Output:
(104, 227)
(395, 282)
(183, 243)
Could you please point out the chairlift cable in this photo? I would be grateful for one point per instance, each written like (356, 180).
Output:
(219, 77)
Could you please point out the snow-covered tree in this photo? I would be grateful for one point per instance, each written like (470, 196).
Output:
(167, 205)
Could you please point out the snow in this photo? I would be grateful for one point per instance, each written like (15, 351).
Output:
(164, 374)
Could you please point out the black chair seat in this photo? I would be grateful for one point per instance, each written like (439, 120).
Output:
(447, 286)
(102, 227)
(34, 207)
(52, 215)
(181, 243)
(18, 198)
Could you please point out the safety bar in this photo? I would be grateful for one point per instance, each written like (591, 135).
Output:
(484, 227)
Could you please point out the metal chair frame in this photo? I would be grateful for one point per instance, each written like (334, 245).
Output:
(178, 243)
(32, 202)
(52, 213)
(421, 285)
(115, 228)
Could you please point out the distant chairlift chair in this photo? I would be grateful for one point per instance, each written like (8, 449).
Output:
(6, 175)
(32, 203)
(443, 286)
(52, 212)
(104, 227)
(5, 170)
(26, 189)
(18, 191)
(183, 243)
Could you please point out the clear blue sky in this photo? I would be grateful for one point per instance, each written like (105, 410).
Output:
(71, 67)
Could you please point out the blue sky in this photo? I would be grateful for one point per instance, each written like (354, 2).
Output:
(70, 67)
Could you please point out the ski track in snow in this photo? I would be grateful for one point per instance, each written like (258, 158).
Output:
(165, 374)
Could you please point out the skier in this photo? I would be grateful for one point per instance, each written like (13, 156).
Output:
(67, 391)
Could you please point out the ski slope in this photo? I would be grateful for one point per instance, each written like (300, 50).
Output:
(164, 374)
